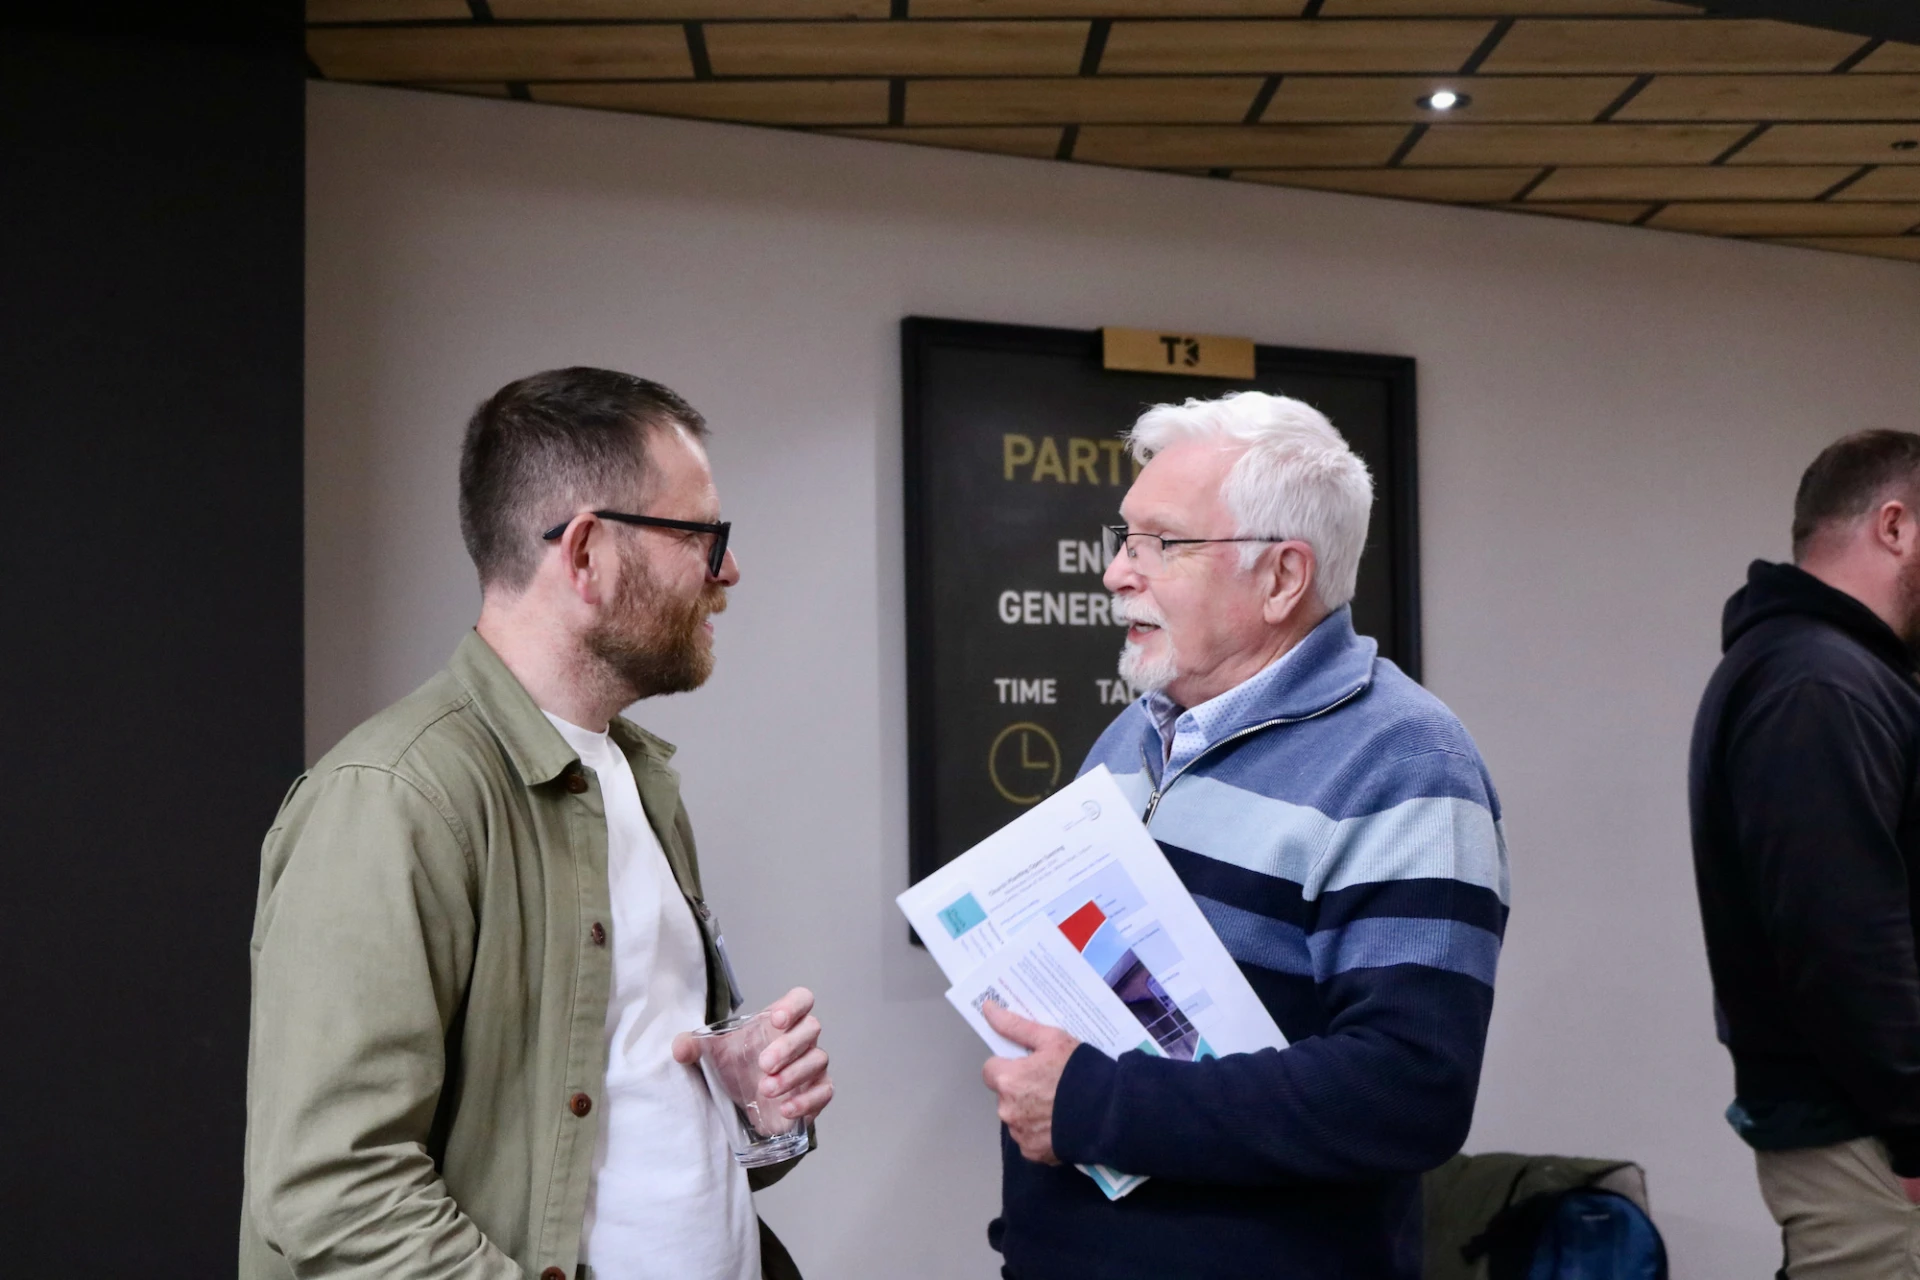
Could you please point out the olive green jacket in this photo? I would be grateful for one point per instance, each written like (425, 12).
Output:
(431, 967)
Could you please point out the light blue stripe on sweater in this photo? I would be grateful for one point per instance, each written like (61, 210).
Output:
(1379, 941)
(1137, 787)
(1434, 837)
(1445, 839)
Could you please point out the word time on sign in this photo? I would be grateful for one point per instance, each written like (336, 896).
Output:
(1024, 762)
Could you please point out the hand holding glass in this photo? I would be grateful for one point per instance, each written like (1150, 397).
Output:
(730, 1059)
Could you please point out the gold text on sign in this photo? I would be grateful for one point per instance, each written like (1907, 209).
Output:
(1203, 355)
(1083, 461)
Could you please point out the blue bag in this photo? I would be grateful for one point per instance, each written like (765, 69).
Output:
(1597, 1235)
(1577, 1234)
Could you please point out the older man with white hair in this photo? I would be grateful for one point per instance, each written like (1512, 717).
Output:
(1337, 826)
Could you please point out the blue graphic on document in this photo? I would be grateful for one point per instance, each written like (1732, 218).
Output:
(962, 915)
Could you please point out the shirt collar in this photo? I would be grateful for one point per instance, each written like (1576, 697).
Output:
(1328, 666)
(1187, 731)
(534, 747)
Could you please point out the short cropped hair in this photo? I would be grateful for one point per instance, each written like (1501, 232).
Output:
(1851, 477)
(1297, 478)
(542, 448)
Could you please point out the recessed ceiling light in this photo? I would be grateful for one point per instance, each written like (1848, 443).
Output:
(1443, 100)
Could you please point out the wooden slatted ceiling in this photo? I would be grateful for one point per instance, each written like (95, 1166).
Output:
(1082, 100)
(1628, 111)
(1892, 57)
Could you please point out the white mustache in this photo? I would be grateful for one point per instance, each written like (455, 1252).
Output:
(1134, 609)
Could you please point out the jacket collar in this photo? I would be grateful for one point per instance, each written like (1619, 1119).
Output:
(537, 751)
(1329, 666)
(1777, 590)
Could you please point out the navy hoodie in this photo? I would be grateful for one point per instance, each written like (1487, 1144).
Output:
(1805, 792)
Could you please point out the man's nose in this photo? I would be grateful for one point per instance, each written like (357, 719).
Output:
(1120, 573)
(729, 569)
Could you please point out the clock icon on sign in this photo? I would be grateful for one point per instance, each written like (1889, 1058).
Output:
(1024, 763)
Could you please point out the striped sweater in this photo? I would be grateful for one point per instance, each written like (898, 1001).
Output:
(1336, 825)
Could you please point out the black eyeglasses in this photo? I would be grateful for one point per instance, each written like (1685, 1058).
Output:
(716, 555)
(1147, 552)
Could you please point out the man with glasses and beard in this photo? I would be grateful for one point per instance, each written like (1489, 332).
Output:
(481, 940)
(1338, 829)
(1805, 789)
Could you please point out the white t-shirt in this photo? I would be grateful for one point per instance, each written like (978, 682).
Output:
(667, 1201)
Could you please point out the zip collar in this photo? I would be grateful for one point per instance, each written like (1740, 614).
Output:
(1330, 667)
(1153, 801)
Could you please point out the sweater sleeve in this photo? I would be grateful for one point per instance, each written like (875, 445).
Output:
(1407, 911)
(1816, 788)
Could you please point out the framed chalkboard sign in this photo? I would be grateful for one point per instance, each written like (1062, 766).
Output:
(1014, 460)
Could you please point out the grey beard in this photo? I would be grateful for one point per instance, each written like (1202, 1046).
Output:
(1147, 674)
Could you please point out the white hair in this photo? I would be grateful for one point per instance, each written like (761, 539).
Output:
(1297, 478)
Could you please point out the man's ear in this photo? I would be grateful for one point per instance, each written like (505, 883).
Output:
(1289, 579)
(583, 559)
(1896, 527)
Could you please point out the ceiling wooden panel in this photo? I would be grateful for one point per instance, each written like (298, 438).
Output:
(1905, 247)
(1035, 142)
(1497, 8)
(1833, 143)
(1590, 212)
(1103, 8)
(1892, 183)
(386, 10)
(1575, 144)
(1231, 146)
(1410, 45)
(896, 48)
(1854, 97)
(678, 10)
(795, 102)
(1789, 219)
(1892, 56)
(1680, 44)
(1397, 98)
(1692, 182)
(1646, 111)
(1469, 186)
(483, 89)
(1082, 100)
(499, 53)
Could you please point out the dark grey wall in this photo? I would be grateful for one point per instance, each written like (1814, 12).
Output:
(150, 675)
(1885, 19)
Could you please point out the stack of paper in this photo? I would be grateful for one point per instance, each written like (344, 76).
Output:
(1071, 916)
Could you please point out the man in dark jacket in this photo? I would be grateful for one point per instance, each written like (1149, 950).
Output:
(1805, 791)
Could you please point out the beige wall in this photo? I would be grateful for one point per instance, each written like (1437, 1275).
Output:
(1611, 424)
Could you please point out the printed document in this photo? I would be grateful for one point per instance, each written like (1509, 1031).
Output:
(1070, 915)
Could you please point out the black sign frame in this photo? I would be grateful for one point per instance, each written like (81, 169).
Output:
(1396, 490)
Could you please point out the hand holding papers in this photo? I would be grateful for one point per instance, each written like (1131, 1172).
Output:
(1071, 916)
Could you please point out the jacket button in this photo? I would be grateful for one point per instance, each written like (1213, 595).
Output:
(553, 1273)
(576, 782)
(579, 1104)
(598, 933)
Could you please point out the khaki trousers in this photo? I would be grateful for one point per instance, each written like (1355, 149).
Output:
(1841, 1212)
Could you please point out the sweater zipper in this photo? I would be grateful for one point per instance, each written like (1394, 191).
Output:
(1153, 801)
